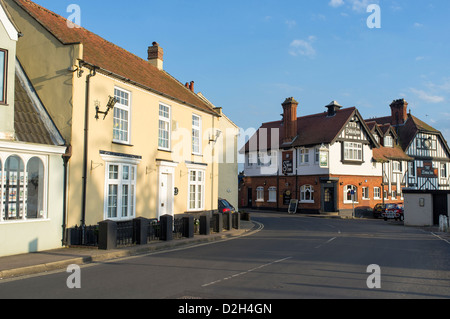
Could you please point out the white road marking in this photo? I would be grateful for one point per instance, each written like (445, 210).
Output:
(246, 272)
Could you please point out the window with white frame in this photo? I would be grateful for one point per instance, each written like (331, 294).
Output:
(396, 167)
(317, 155)
(377, 193)
(120, 197)
(365, 193)
(272, 194)
(260, 194)
(307, 194)
(350, 194)
(3, 74)
(121, 121)
(196, 189)
(388, 141)
(303, 156)
(353, 151)
(23, 187)
(164, 127)
(196, 134)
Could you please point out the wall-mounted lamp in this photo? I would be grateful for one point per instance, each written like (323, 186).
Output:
(112, 101)
(215, 138)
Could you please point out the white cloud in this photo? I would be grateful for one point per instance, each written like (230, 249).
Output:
(303, 47)
(336, 3)
(358, 6)
(291, 23)
(427, 97)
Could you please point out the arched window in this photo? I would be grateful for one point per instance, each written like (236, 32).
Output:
(14, 188)
(272, 194)
(260, 194)
(35, 188)
(307, 193)
(350, 194)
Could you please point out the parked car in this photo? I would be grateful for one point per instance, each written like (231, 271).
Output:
(225, 206)
(378, 210)
(393, 211)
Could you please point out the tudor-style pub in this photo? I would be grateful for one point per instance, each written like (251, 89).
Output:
(337, 162)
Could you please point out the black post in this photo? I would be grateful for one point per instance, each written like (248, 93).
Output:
(167, 227)
(205, 225)
(188, 226)
(107, 235)
(219, 222)
(229, 221)
(140, 230)
(237, 220)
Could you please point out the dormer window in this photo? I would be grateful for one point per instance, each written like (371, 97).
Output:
(388, 141)
(3, 74)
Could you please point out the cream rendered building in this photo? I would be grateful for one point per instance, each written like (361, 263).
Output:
(149, 152)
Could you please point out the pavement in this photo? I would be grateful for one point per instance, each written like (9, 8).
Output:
(58, 259)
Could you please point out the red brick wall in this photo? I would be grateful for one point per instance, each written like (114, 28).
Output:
(293, 184)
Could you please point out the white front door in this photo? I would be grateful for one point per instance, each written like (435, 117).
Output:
(166, 173)
(163, 194)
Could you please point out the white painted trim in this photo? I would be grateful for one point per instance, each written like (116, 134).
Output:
(30, 147)
(13, 33)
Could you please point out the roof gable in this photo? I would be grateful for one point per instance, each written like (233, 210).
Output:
(315, 129)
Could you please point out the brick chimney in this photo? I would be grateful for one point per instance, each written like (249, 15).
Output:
(155, 55)
(399, 113)
(289, 120)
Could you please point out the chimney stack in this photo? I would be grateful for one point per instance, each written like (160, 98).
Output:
(289, 120)
(155, 55)
(399, 109)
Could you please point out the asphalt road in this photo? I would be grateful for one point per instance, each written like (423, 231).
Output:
(290, 257)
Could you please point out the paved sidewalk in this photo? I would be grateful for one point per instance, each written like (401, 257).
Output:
(41, 262)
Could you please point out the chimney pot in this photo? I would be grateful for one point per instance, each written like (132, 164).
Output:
(191, 86)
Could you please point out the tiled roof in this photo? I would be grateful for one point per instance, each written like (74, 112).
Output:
(313, 129)
(110, 57)
(384, 154)
(29, 123)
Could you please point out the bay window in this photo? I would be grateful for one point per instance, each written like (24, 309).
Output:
(120, 199)
(23, 183)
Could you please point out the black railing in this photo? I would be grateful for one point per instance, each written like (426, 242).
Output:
(141, 231)
(125, 233)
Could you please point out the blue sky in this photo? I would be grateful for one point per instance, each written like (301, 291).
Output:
(248, 56)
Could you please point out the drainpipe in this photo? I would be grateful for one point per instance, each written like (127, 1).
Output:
(91, 74)
(66, 157)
